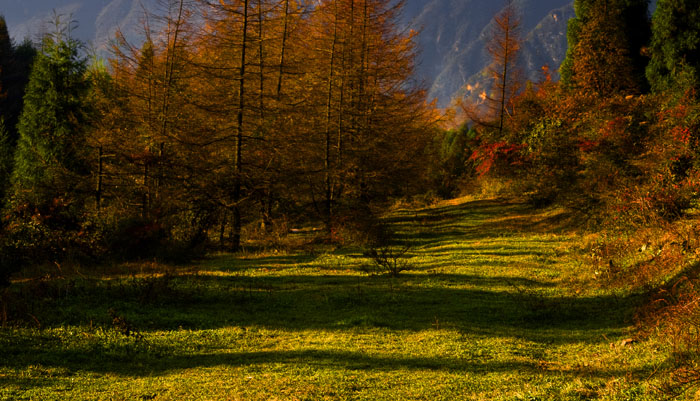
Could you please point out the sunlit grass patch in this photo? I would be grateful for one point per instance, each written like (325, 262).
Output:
(485, 312)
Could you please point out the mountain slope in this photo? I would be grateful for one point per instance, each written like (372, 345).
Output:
(96, 21)
(451, 43)
(453, 34)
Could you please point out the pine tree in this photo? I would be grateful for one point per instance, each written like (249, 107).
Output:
(5, 49)
(14, 67)
(17, 79)
(50, 158)
(6, 55)
(6, 145)
(6, 155)
(15, 64)
(675, 45)
(627, 32)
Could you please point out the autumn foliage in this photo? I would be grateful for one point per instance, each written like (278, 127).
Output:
(232, 117)
(237, 119)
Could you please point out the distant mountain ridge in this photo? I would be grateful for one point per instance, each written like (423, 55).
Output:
(451, 43)
(96, 20)
(453, 38)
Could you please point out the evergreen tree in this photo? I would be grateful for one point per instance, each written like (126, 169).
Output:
(6, 140)
(16, 80)
(14, 66)
(627, 32)
(6, 155)
(49, 160)
(5, 66)
(603, 64)
(675, 45)
(5, 44)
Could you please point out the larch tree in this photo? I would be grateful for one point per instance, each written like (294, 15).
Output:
(273, 101)
(367, 105)
(243, 53)
(494, 107)
(675, 45)
(135, 136)
(390, 130)
(503, 46)
(285, 105)
(152, 82)
(169, 91)
(227, 57)
(329, 25)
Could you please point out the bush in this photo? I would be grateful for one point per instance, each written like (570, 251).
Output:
(356, 223)
(135, 238)
(387, 259)
(672, 315)
(33, 235)
(11, 261)
(451, 165)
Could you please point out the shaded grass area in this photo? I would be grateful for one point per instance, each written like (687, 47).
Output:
(486, 312)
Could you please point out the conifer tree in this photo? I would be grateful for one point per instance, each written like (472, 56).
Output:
(503, 47)
(5, 44)
(50, 158)
(627, 32)
(364, 100)
(5, 67)
(6, 155)
(14, 66)
(6, 145)
(602, 63)
(675, 45)
(495, 107)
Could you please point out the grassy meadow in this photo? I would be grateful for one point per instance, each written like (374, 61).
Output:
(497, 305)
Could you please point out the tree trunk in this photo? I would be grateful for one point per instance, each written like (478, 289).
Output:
(328, 184)
(237, 162)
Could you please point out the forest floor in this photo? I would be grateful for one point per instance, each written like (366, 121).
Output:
(497, 305)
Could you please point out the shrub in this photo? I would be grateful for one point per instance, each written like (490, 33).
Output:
(33, 235)
(356, 223)
(135, 238)
(451, 165)
(11, 260)
(673, 314)
(387, 259)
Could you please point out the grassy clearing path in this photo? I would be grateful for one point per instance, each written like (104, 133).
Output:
(486, 313)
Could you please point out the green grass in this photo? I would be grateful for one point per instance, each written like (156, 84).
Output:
(491, 309)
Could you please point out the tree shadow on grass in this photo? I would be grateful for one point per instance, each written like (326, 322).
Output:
(478, 220)
(169, 360)
(473, 305)
(466, 303)
(234, 264)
